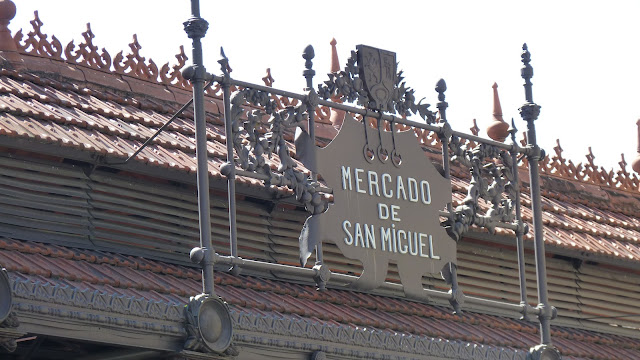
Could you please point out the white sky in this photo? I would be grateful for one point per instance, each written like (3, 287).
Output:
(584, 53)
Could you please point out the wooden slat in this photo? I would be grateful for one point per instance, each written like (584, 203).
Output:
(58, 169)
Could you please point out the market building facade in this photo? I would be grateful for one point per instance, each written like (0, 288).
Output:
(341, 229)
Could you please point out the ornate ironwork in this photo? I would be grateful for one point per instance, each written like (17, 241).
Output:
(492, 172)
(264, 138)
(354, 84)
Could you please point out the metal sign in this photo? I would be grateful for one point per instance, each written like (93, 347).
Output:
(386, 208)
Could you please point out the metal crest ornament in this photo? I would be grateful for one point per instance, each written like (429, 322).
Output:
(378, 69)
(370, 80)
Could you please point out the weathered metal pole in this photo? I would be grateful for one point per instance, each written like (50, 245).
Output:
(308, 54)
(456, 295)
(529, 112)
(520, 227)
(196, 27)
(230, 170)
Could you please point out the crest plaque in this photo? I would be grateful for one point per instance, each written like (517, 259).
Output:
(378, 69)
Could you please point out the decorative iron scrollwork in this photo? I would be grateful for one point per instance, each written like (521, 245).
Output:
(266, 138)
(492, 179)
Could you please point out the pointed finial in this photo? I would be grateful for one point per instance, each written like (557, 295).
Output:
(336, 116)
(498, 130)
(497, 109)
(635, 164)
(475, 129)
(513, 130)
(224, 62)
(335, 63)
(7, 13)
(268, 80)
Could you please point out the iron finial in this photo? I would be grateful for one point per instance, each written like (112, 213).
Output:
(475, 130)
(268, 79)
(308, 54)
(513, 130)
(441, 87)
(527, 73)
(224, 62)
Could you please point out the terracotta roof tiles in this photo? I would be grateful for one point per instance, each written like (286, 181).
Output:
(134, 276)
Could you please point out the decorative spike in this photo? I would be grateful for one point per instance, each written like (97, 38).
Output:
(635, 164)
(268, 80)
(590, 158)
(558, 149)
(224, 62)
(335, 63)
(336, 116)
(513, 130)
(475, 130)
(622, 162)
(498, 130)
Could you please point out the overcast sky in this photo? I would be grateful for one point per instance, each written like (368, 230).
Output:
(584, 53)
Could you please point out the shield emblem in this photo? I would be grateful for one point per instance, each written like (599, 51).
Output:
(377, 69)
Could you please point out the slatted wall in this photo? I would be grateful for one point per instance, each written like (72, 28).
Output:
(59, 203)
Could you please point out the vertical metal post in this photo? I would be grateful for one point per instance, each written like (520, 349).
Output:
(529, 112)
(231, 168)
(457, 298)
(441, 87)
(196, 28)
(520, 225)
(308, 54)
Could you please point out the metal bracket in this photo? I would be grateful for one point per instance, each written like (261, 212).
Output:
(322, 275)
(208, 324)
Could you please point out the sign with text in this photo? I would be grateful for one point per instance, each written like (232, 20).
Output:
(385, 209)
